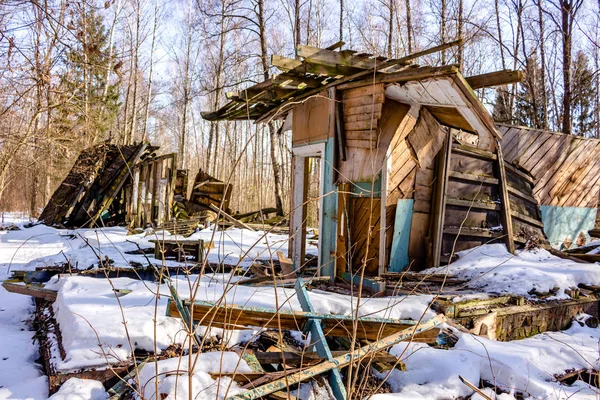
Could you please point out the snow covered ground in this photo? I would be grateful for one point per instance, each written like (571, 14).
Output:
(492, 269)
(90, 314)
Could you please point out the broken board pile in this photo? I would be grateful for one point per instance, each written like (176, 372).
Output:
(85, 197)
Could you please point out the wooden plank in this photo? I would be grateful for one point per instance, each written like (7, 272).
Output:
(405, 75)
(522, 195)
(587, 186)
(334, 58)
(517, 171)
(527, 219)
(36, 291)
(370, 135)
(399, 257)
(338, 362)
(543, 162)
(439, 200)
(368, 109)
(363, 91)
(542, 152)
(506, 211)
(367, 116)
(361, 144)
(229, 218)
(472, 232)
(547, 183)
(496, 78)
(570, 172)
(369, 125)
(526, 154)
(419, 234)
(471, 165)
(364, 100)
(470, 217)
(472, 204)
(450, 116)
(472, 178)
(473, 151)
(238, 317)
(426, 139)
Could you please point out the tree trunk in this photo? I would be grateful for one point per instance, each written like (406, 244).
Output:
(543, 64)
(149, 97)
(566, 9)
(272, 130)
(443, 28)
(341, 20)
(390, 28)
(497, 6)
(460, 27)
(409, 27)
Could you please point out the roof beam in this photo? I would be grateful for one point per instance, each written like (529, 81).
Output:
(498, 78)
(331, 58)
(305, 67)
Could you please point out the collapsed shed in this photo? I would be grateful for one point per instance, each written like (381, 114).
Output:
(412, 170)
(566, 172)
(113, 184)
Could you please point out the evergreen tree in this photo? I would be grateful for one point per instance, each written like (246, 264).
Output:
(91, 102)
(529, 110)
(583, 105)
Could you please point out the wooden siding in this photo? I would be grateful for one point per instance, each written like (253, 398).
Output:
(364, 234)
(565, 168)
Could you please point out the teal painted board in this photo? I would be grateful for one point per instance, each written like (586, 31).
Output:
(561, 223)
(399, 254)
(329, 213)
(366, 188)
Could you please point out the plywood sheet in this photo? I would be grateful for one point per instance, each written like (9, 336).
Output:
(310, 121)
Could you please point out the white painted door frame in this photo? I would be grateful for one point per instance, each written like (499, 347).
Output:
(300, 155)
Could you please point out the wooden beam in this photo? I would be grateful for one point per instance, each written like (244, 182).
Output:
(290, 64)
(229, 218)
(238, 317)
(30, 290)
(340, 361)
(472, 178)
(334, 58)
(505, 199)
(408, 74)
(497, 78)
(439, 200)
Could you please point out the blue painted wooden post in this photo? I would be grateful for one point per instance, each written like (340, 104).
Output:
(329, 207)
(399, 254)
(318, 340)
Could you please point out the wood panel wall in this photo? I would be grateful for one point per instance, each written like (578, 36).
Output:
(310, 121)
(566, 168)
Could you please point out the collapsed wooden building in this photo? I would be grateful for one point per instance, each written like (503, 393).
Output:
(412, 168)
(111, 184)
(566, 172)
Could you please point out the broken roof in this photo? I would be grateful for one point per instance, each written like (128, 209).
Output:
(321, 69)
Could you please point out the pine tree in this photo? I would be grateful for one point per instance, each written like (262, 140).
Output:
(529, 110)
(583, 105)
(91, 102)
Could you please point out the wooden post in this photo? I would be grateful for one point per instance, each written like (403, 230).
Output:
(319, 341)
(506, 213)
(439, 200)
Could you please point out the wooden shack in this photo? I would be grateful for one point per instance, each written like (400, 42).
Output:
(412, 169)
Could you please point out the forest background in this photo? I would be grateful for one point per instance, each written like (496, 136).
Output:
(76, 73)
